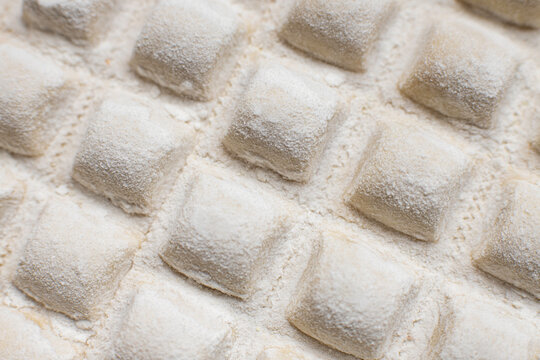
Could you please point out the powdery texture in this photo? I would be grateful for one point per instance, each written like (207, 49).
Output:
(351, 298)
(74, 259)
(130, 151)
(189, 46)
(282, 353)
(75, 19)
(473, 330)
(511, 250)
(407, 180)
(11, 194)
(340, 32)
(283, 121)
(161, 326)
(31, 88)
(24, 336)
(521, 12)
(461, 72)
(222, 234)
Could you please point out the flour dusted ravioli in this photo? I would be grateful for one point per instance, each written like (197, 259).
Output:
(129, 151)
(74, 19)
(222, 234)
(31, 88)
(407, 180)
(24, 336)
(521, 12)
(340, 32)
(160, 325)
(189, 46)
(475, 330)
(283, 121)
(351, 298)
(511, 249)
(461, 72)
(74, 259)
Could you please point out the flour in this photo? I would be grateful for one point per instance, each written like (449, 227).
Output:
(369, 98)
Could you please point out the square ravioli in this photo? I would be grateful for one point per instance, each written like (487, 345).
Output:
(461, 72)
(351, 298)
(283, 122)
(408, 179)
(25, 336)
(340, 32)
(473, 330)
(32, 88)
(511, 249)
(160, 325)
(520, 12)
(74, 259)
(189, 46)
(222, 234)
(130, 152)
(75, 19)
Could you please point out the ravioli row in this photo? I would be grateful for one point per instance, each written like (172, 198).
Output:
(351, 297)
(461, 71)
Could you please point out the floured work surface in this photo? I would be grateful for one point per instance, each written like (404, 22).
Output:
(270, 179)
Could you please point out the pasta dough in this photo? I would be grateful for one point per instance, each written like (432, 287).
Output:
(521, 12)
(130, 150)
(74, 259)
(461, 73)
(162, 326)
(31, 88)
(75, 19)
(24, 338)
(340, 32)
(283, 121)
(408, 179)
(351, 298)
(511, 249)
(222, 234)
(188, 46)
(473, 330)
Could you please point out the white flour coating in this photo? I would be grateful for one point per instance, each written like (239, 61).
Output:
(370, 97)
(78, 20)
(353, 311)
(162, 326)
(74, 260)
(340, 32)
(408, 180)
(460, 73)
(11, 194)
(30, 89)
(130, 151)
(222, 232)
(283, 121)
(522, 12)
(26, 335)
(511, 250)
(188, 46)
(276, 353)
(475, 331)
